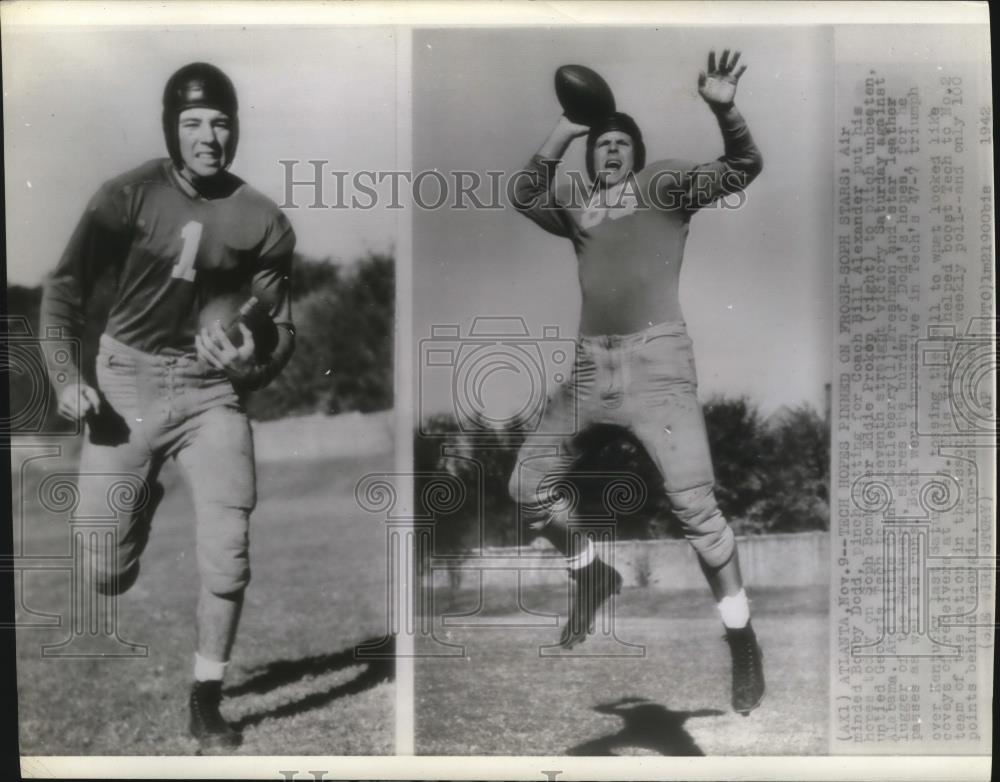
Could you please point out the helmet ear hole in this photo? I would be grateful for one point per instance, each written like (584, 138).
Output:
(621, 122)
(199, 85)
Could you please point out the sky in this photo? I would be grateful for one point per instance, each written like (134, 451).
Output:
(83, 105)
(756, 282)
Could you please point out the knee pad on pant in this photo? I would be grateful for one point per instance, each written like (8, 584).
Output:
(224, 550)
(705, 527)
(525, 486)
(545, 488)
(115, 567)
(226, 580)
(523, 490)
(540, 499)
(514, 486)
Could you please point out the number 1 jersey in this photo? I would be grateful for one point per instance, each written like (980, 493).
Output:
(169, 251)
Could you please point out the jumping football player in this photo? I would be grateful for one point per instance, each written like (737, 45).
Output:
(175, 234)
(634, 364)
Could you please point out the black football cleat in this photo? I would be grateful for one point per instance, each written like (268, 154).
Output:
(207, 724)
(594, 584)
(748, 669)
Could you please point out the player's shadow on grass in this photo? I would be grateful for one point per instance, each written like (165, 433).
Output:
(647, 726)
(271, 676)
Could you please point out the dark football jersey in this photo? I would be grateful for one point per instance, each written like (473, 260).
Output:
(630, 239)
(170, 251)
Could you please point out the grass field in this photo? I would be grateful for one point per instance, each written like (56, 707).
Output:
(318, 589)
(506, 698)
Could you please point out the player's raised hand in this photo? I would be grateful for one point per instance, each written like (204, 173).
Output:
(75, 402)
(215, 348)
(717, 85)
(561, 137)
(572, 129)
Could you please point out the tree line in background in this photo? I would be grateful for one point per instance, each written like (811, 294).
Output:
(344, 341)
(343, 349)
(771, 476)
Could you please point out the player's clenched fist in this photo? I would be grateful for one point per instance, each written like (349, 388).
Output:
(75, 402)
(718, 85)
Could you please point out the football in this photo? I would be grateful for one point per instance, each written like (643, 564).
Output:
(251, 313)
(584, 96)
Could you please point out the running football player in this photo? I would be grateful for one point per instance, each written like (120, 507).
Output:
(634, 364)
(175, 234)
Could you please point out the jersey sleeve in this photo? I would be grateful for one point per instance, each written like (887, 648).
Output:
(99, 241)
(533, 195)
(272, 278)
(691, 186)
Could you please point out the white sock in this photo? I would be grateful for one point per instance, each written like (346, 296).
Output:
(735, 610)
(582, 559)
(206, 670)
